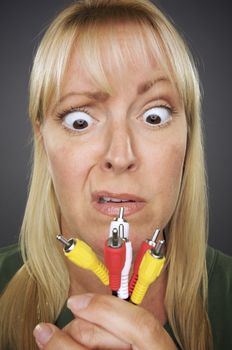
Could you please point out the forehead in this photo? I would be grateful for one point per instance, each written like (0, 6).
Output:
(113, 55)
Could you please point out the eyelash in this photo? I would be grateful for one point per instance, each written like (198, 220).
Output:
(60, 115)
(172, 111)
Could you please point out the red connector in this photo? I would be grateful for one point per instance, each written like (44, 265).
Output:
(148, 244)
(115, 255)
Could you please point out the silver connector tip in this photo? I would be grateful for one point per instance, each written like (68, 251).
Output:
(68, 243)
(121, 213)
(155, 235)
(120, 216)
(115, 241)
(115, 237)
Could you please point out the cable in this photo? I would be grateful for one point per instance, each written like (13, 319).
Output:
(148, 244)
(123, 291)
(118, 258)
(83, 256)
(149, 270)
(115, 254)
(122, 226)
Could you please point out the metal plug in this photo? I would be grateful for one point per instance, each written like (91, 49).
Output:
(68, 243)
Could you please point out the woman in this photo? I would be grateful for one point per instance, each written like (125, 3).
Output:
(115, 108)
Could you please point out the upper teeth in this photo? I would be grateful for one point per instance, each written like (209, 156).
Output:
(109, 199)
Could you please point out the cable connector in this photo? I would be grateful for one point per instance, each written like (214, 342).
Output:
(120, 221)
(115, 254)
(83, 256)
(148, 244)
(149, 270)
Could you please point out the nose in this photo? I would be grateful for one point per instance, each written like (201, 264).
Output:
(119, 151)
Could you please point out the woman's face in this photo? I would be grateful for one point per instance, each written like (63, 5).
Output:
(126, 149)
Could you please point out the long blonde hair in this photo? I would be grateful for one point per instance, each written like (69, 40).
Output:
(42, 283)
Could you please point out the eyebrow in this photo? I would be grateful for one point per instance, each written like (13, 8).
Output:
(144, 87)
(101, 96)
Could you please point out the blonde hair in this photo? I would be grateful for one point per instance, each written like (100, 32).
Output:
(42, 283)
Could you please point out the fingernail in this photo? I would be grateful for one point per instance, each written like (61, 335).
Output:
(79, 302)
(42, 333)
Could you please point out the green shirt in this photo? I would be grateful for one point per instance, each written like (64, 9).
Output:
(219, 268)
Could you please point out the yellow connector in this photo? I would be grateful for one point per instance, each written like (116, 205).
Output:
(149, 270)
(83, 256)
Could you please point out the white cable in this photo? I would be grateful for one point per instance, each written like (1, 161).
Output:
(123, 291)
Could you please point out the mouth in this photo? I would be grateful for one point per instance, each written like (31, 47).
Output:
(109, 203)
(114, 200)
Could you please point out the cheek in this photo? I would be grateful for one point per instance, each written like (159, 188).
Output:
(69, 166)
(166, 165)
(173, 161)
(172, 176)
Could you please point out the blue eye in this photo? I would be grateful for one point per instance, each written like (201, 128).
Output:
(77, 120)
(157, 115)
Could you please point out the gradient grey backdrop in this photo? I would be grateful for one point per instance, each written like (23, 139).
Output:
(206, 25)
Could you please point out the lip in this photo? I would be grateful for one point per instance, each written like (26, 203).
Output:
(112, 209)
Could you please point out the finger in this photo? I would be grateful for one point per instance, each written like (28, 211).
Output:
(93, 336)
(49, 337)
(130, 323)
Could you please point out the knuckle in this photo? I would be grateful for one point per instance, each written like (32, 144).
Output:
(85, 333)
(101, 302)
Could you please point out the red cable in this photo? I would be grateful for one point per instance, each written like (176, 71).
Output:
(142, 250)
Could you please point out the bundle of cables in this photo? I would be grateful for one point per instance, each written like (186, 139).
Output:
(118, 252)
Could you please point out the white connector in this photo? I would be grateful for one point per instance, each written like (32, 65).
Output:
(120, 221)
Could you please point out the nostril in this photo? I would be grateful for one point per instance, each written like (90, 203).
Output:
(131, 166)
(108, 165)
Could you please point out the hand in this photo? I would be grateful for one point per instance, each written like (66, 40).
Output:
(106, 322)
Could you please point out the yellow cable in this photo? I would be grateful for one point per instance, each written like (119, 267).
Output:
(83, 256)
(149, 270)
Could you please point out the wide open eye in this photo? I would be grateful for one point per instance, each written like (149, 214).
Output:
(77, 120)
(157, 115)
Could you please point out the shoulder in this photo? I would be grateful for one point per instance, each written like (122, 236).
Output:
(10, 262)
(219, 267)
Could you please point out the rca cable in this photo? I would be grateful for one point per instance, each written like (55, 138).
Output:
(118, 256)
(118, 253)
(82, 255)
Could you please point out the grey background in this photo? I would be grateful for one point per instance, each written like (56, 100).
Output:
(207, 27)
